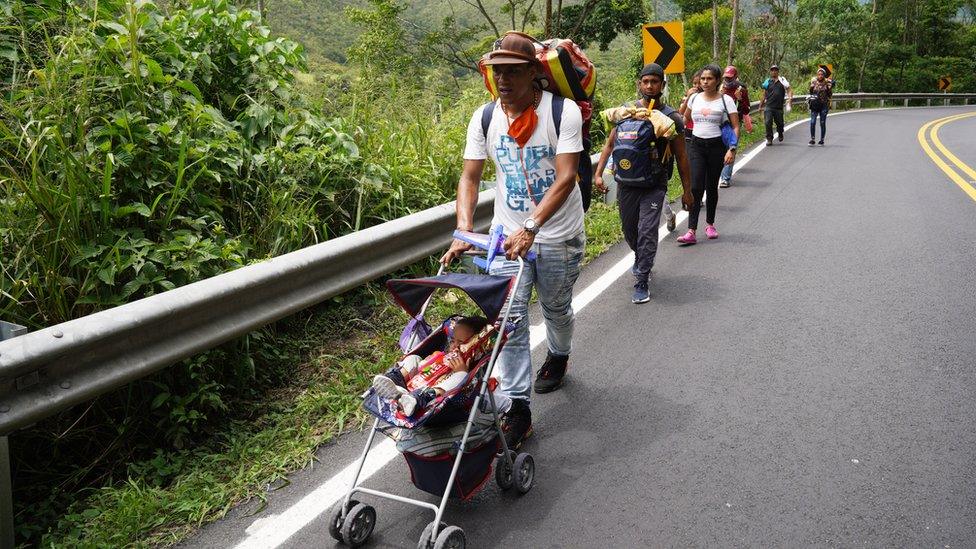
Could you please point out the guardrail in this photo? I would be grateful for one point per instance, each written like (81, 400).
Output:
(905, 98)
(52, 369)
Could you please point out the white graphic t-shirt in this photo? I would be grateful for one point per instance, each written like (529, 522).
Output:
(709, 115)
(524, 175)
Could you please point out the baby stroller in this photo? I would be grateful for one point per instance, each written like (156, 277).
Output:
(462, 467)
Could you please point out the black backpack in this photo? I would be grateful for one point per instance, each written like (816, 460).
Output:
(584, 172)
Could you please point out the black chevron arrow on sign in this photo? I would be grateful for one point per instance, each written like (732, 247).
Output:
(669, 47)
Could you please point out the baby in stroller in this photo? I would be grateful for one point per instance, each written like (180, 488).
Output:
(415, 382)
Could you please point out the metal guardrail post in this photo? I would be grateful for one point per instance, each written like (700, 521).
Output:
(905, 104)
(7, 331)
(857, 104)
(882, 103)
(928, 102)
(6, 497)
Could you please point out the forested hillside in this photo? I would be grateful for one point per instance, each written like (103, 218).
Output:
(144, 146)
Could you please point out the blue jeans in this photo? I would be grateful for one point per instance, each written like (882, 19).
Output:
(727, 171)
(552, 274)
(822, 113)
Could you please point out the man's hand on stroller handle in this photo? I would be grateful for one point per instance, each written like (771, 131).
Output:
(457, 248)
(518, 244)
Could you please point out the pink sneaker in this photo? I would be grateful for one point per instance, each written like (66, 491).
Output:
(710, 231)
(688, 238)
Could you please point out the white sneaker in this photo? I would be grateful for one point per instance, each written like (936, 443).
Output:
(724, 183)
(408, 403)
(385, 387)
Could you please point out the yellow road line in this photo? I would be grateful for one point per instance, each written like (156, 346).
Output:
(955, 177)
(934, 136)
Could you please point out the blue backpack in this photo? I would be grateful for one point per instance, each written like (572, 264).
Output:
(637, 160)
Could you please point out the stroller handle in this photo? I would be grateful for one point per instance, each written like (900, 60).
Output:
(529, 255)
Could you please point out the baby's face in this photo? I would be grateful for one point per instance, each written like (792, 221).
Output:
(461, 335)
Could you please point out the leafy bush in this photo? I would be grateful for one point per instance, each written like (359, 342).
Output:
(153, 151)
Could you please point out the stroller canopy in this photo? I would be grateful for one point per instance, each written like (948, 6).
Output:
(489, 292)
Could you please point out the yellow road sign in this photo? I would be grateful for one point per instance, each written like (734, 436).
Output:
(664, 44)
(945, 83)
(829, 67)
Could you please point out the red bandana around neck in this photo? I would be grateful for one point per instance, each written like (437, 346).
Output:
(523, 127)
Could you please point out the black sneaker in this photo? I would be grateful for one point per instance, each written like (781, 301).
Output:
(780, 137)
(769, 142)
(517, 424)
(672, 222)
(551, 374)
(820, 142)
(641, 293)
(812, 142)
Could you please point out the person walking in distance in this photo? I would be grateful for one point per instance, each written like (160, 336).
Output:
(777, 94)
(640, 202)
(732, 87)
(695, 88)
(821, 90)
(539, 204)
(709, 110)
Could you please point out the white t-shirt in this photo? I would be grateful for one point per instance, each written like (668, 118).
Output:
(536, 163)
(709, 115)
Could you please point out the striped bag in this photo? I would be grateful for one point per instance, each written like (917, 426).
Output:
(566, 71)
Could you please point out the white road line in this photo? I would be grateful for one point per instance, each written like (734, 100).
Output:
(274, 530)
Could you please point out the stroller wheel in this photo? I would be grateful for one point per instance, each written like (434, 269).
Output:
(524, 472)
(335, 524)
(425, 541)
(358, 525)
(505, 473)
(451, 537)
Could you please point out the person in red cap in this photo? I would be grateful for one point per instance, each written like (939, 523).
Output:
(540, 206)
(735, 89)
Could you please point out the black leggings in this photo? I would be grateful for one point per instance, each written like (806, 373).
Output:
(814, 113)
(707, 158)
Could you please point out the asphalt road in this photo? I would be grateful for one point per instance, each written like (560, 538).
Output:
(805, 380)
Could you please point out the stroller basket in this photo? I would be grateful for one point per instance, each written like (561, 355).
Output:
(430, 473)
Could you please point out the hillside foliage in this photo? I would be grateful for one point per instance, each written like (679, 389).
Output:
(144, 146)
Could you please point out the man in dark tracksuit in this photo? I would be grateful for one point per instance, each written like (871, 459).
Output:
(776, 94)
(640, 207)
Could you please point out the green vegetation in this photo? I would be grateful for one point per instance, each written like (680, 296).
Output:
(874, 46)
(147, 145)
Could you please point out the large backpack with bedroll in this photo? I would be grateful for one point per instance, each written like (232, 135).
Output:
(566, 73)
(638, 158)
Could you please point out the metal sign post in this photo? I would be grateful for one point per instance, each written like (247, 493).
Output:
(7, 331)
